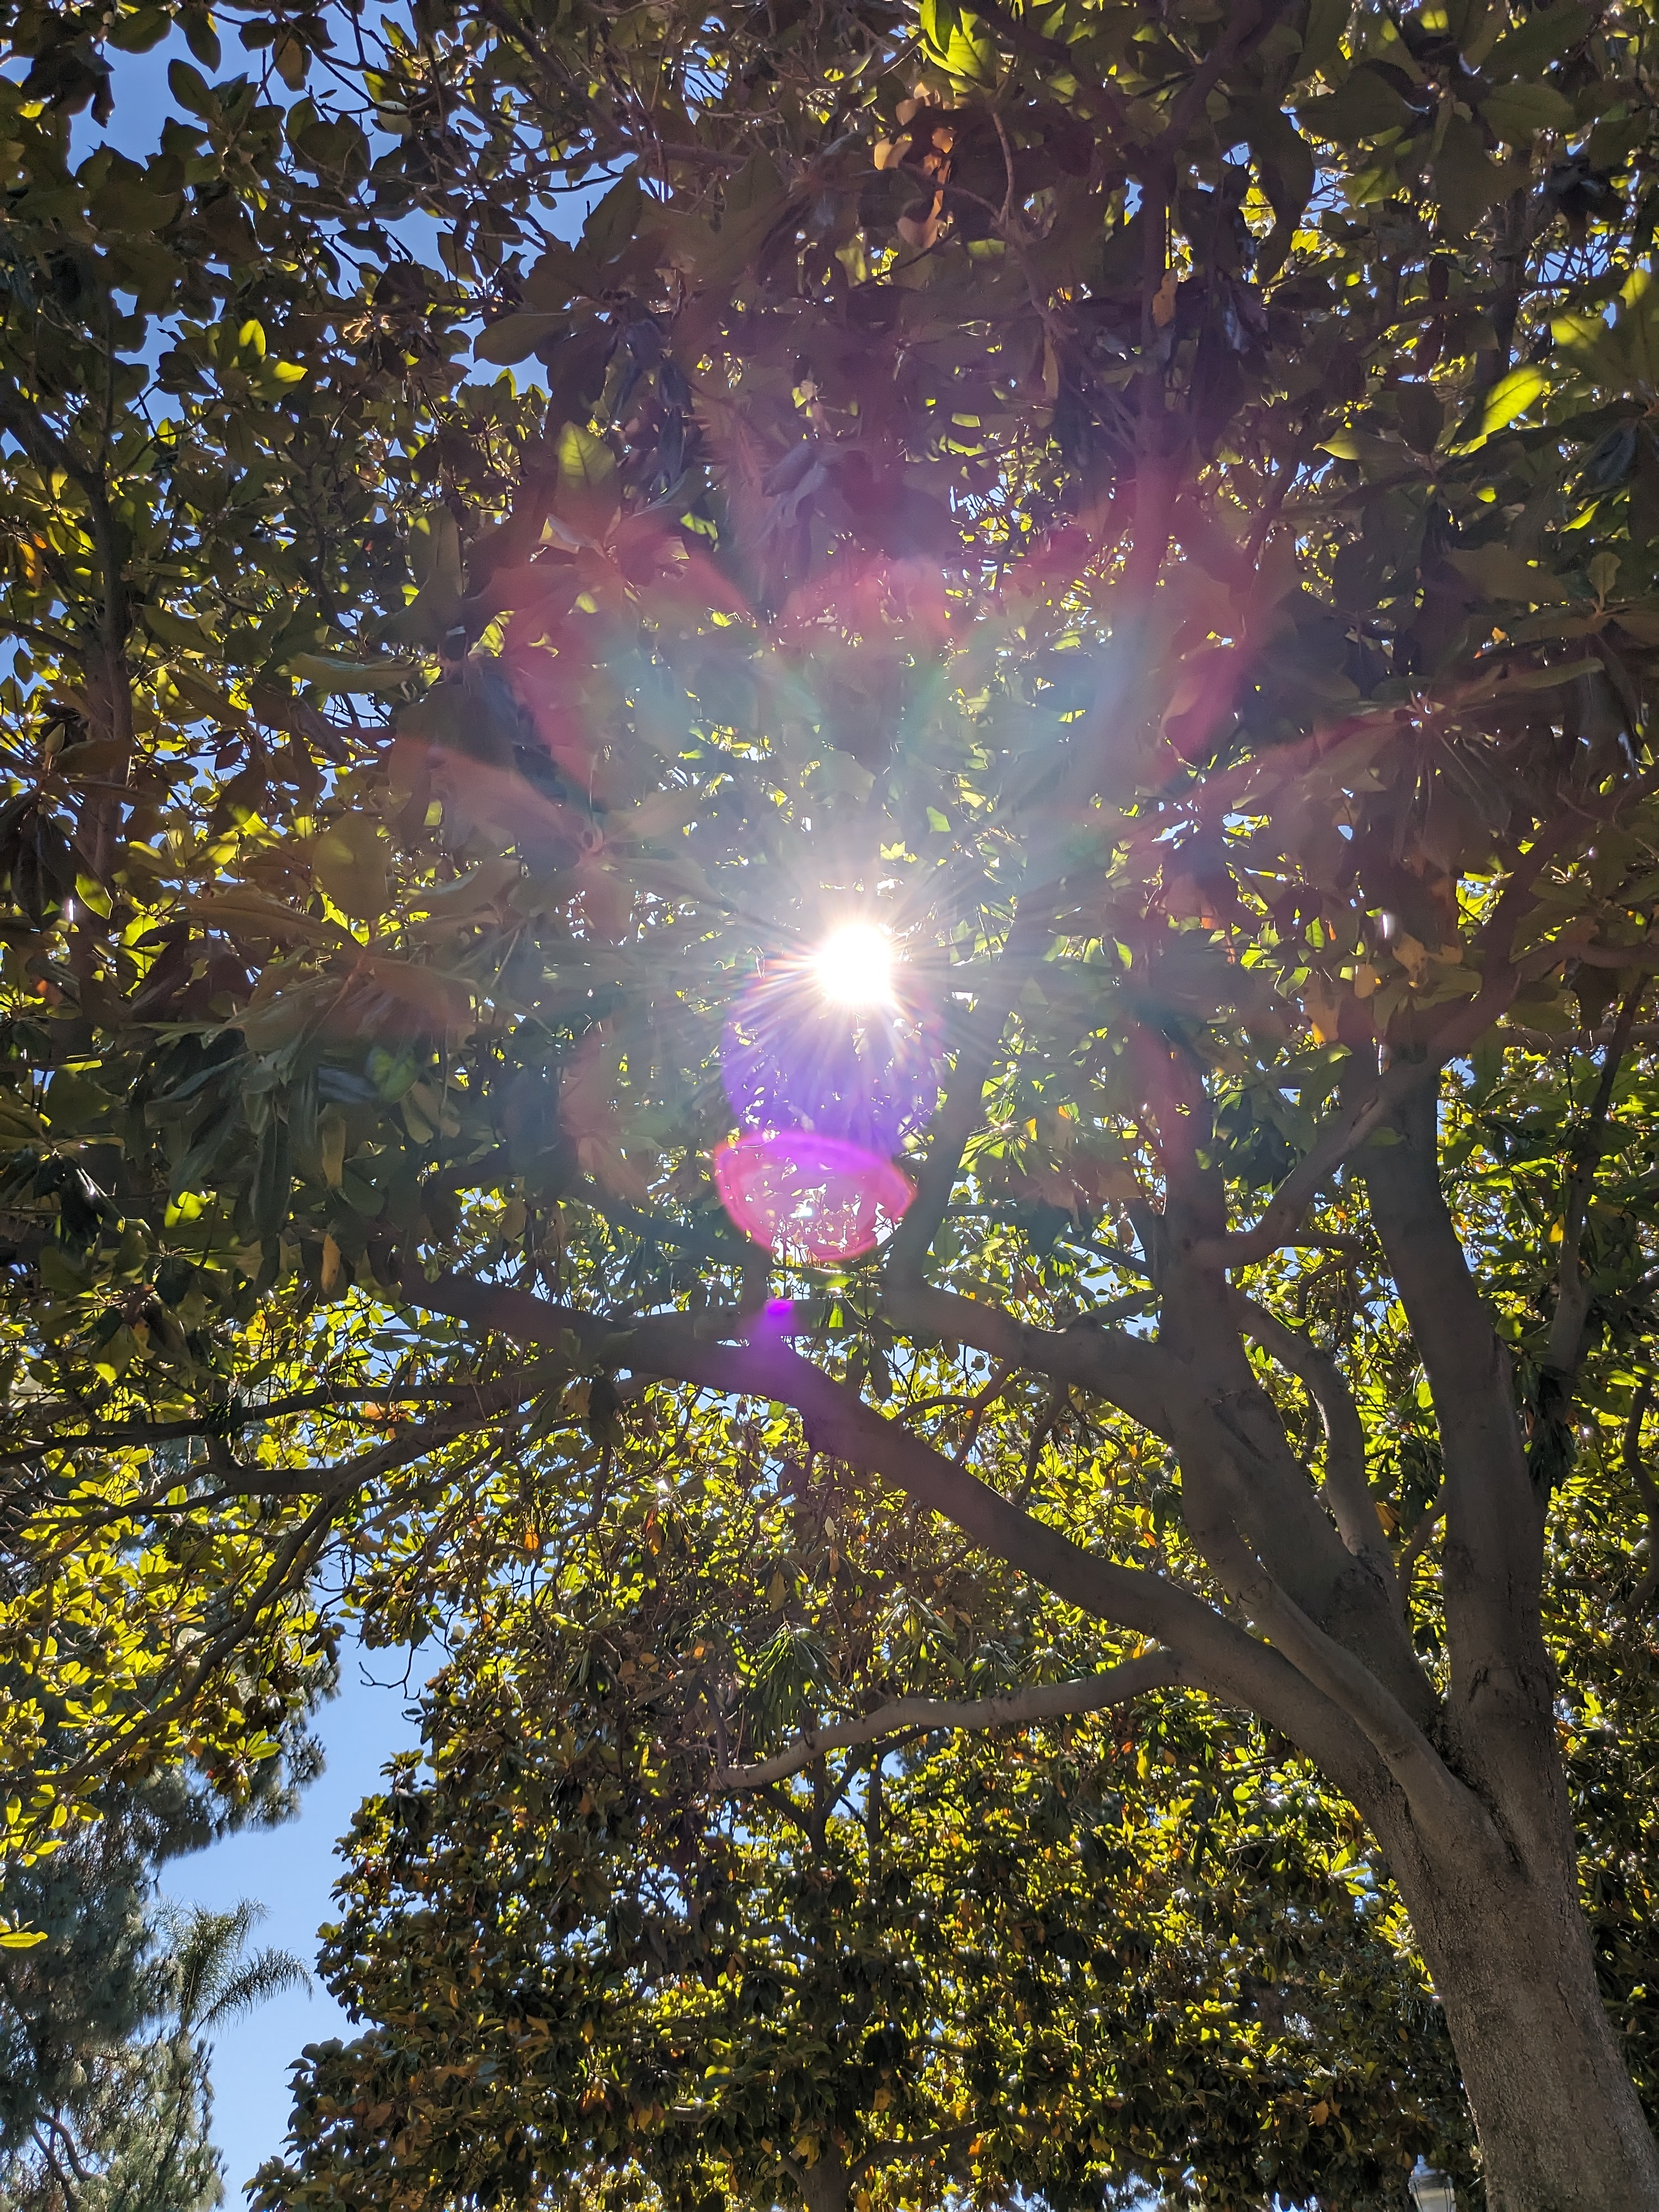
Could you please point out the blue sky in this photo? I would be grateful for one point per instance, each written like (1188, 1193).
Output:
(291, 1871)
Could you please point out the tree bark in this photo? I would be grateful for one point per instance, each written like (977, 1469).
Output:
(1559, 2124)
(825, 2185)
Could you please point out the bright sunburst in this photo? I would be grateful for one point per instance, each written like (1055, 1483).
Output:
(855, 965)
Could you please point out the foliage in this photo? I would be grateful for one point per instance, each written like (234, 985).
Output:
(1091, 1957)
(106, 2101)
(1152, 505)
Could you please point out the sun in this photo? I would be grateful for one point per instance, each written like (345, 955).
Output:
(854, 966)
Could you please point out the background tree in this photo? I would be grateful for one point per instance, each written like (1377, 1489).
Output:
(105, 2021)
(1150, 507)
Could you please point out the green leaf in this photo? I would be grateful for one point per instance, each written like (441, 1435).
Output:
(435, 555)
(334, 675)
(1498, 573)
(1510, 396)
(1524, 51)
(1516, 111)
(1286, 162)
(191, 89)
(1351, 445)
(1466, 180)
(1322, 39)
(514, 338)
(585, 496)
(178, 629)
(958, 40)
(611, 228)
(1364, 107)
(350, 861)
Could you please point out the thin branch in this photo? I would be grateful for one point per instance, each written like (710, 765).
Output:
(1647, 1489)
(1572, 1296)
(1579, 1039)
(1345, 1486)
(716, 1239)
(1416, 1543)
(1047, 1422)
(1011, 1709)
(330, 1484)
(979, 1406)
(224, 1421)
(911, 2146)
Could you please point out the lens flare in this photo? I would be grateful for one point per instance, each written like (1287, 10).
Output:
(811, 1200)
(855, 966)
(830, 1059)
(793, 1058)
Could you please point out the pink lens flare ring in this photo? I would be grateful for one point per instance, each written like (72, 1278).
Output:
(809, 1198)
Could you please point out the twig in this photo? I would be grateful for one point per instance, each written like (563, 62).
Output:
(1648, 1489)
(1416, 1543)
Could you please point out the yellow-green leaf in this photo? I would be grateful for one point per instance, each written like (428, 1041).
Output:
(352, 675)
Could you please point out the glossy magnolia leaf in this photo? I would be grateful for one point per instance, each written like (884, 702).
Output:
(1515, 112)
(515, 337)
(1365, 106)
(1551, 31)
(1498, 572)
(1512, 395)
(586, 492)
(1468, 180)
(350, 861)
(331, 675)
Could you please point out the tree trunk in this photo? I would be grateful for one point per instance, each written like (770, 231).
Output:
(1560, 2126)
(825, 2185)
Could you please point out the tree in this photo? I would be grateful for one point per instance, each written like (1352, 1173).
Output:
(1062, 1966)
(104, 2021)
(1151, 508)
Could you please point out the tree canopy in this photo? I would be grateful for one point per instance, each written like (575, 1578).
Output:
(1146, 511)
(1061, 1968)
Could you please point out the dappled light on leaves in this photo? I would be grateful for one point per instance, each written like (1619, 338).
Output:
(1155, 506)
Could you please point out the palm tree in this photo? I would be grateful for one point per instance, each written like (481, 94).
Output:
(128, 2133)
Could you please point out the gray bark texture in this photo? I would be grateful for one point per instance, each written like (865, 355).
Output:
(1560, 2123)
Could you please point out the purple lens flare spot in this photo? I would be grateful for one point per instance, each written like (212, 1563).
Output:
(866, 1075)
(810, 1200)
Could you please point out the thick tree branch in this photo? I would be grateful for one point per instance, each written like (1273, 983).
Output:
(1216, 1653)
(1129, 1372)
(1013, 1709)
(1498, 1698)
